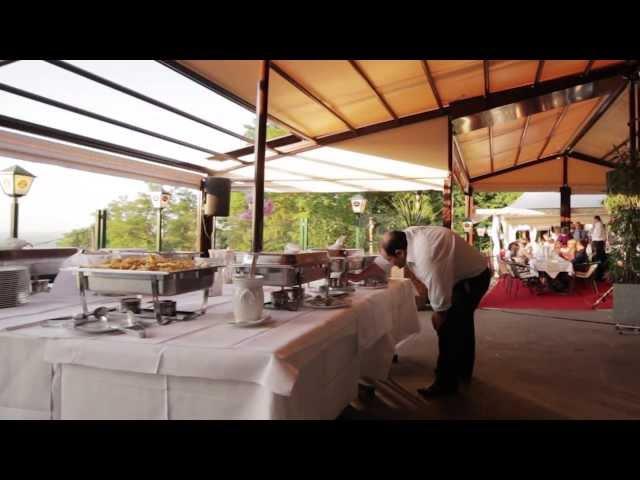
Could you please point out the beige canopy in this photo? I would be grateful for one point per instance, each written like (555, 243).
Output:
(387, 109)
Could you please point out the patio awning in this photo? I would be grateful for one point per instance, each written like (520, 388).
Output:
(353, 125)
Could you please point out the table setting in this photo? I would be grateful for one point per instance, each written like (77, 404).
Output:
(302, 363)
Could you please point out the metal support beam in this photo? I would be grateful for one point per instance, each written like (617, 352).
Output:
(223, 92)
(44, 131)
(431, 82)
(205, 224)
(272, 144)
(487, 86)
(559, 118)
(311, 95)
(366, 78)
(589, 159)
(468, 212)
(491, 149)
(132, 93)
(481, 103)
(447, 198)
(633, 119)
(521, 143)
(262, 99)
(565, 171)
(565, 206)
(600, 111)
(588, 67)
(515, 167)
(102, 118)
(536, 80)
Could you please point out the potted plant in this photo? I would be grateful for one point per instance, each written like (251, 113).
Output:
(623, 204)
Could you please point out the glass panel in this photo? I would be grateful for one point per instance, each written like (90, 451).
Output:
(161, 83)
(77, 91)
(31, 111)
(316, 186)
(302, 166)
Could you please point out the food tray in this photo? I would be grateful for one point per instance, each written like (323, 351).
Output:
(291, 259)
(105, 280)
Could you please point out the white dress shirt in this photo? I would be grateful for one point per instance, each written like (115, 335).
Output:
(598, 233)
(440, 259)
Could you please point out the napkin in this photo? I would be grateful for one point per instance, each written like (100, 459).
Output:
(339, 243)
(291, 248)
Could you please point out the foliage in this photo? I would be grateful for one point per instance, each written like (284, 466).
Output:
(624, 211)
(132, 223)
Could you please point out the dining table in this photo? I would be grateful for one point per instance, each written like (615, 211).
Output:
(303, 364)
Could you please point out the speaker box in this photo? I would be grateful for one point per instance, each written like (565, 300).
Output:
(218, 192)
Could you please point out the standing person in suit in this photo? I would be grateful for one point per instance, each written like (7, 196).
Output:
(598, 239)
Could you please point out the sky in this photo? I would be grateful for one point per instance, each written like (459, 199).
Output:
(62, 199)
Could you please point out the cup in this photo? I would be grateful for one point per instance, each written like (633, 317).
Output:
(248, 298)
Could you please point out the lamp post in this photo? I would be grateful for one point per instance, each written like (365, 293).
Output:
(160, 200)
(358, 205)
(15, 182)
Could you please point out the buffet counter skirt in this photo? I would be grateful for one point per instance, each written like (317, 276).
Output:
(300, 365)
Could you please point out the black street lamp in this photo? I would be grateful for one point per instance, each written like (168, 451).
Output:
(15, 182)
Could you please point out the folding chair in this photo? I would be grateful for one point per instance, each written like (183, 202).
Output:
(589, 275)
(524, 274)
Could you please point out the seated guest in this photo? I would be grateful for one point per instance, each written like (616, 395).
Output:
(580, 260)
(563, 238)
(569, 252)
(579, 234)
(512, 251)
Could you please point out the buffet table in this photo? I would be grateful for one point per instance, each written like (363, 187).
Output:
(302, 364)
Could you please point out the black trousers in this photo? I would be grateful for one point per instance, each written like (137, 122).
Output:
(456, 336)
(599, 255)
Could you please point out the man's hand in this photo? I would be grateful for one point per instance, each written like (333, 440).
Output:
(437, 319)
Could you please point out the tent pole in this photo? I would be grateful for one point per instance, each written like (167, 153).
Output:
(446, 192)
(260, 147)
(468, 212)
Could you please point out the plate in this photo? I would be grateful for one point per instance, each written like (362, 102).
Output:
(372, 287)
(265, 318)
(97, 327)
(319, 306)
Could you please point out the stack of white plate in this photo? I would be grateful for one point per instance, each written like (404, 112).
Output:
(14, 286)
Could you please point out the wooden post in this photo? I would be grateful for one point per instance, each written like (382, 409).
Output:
(633, 118)
(260, 148)
(468, 212)
(205, 225)
(447, 210)
(565, 206)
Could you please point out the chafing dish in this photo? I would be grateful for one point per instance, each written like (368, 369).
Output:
(284, 269)
(145, 282)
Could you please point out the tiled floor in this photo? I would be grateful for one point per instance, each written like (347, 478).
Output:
(529, 365)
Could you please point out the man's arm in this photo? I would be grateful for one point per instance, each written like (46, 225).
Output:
(372, 271)
(420, 287)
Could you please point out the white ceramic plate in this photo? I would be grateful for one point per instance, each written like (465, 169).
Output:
(265, 318)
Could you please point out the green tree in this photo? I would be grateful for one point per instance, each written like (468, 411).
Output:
(132, 223)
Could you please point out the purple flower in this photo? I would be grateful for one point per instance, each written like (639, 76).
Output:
(267, 208)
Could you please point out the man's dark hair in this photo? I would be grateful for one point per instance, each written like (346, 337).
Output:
(597, 217)
(397, 241)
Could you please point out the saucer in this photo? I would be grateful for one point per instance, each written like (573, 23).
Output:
(263, 319)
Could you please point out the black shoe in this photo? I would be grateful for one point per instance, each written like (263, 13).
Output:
(437, 390)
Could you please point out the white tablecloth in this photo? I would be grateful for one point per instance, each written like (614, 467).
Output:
(552, 266)
(303, 364)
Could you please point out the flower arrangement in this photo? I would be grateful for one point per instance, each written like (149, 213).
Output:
(267, 208)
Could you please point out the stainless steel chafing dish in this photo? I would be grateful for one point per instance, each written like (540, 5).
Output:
(105, 280)
(285, 269)
(145, 282)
